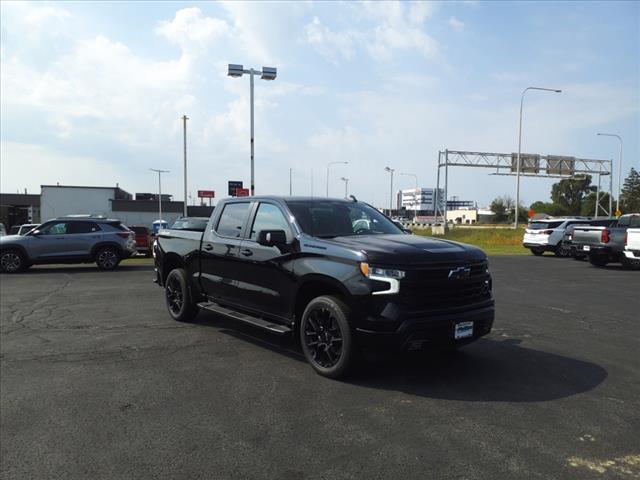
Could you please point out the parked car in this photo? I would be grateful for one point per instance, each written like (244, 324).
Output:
(312, 268)
(567, 237)
(631, 252)
(604, 244)
(142, 235)
(22, 229)
(68, 240)
(546, 235)
(194, 224)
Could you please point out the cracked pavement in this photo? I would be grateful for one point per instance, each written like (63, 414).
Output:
(96, 381)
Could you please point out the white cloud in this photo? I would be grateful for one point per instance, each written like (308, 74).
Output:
(456, 24)
(329, 44)
(191, 27)
(38, 16)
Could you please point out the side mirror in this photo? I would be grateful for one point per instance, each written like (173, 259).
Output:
(407, 231)
(272, 238)
(36, 233)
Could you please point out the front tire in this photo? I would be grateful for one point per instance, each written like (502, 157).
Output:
(178, 296)
(107, 258)
(326, 337)
(12, 261)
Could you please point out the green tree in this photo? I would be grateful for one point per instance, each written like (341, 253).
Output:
(549, 208)
(630, 194)
(570, 192)
(500, 208)
(589, 204)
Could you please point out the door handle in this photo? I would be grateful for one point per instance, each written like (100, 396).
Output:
(246, 252)
(208, 247)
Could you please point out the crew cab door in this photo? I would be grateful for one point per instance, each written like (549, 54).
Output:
(265, 277)
(219, 261)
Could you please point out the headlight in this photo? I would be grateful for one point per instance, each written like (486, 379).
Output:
(387, 275)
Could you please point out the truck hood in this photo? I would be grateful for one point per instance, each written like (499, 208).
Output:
(410, 249)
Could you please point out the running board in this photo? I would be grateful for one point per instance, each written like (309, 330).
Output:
(243, 317)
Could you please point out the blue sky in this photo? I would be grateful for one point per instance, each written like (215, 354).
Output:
(92, 93)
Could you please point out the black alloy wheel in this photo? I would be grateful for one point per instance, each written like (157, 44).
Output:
(178, 296)
(562, 250)
(325, 336)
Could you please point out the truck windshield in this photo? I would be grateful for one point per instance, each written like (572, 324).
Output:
(327, 219)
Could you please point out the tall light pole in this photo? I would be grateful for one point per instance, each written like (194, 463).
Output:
(328, 165)
(267, 73)
(290, 181)
(415, 206)
(390, 170)
(346, 186)
(160, 172)
(619, 165)
(184, 129)
(520, 144)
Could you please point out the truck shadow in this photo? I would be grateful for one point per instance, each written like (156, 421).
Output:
(487, 371)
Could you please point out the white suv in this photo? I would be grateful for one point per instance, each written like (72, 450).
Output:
(546, 235)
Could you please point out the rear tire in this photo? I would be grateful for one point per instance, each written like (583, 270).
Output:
(598, 260)
(629, 263)
(326, 337)
(12, 261)
(537, 251)
(177, 295)
(107, 258)
(562, 251)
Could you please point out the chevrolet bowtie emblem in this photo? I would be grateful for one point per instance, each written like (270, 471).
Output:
(460, 272)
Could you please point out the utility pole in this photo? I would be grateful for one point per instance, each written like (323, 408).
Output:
(290, 181)
(346, 186)
(390, 170)
(160, 172)
(619, 168)
(184, 128)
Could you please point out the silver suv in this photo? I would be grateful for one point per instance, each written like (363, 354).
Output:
(68, 240)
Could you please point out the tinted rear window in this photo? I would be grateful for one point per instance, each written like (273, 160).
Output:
(83, 227)
(606, 222)
(544, 225)
(140, 230)
(233, 219)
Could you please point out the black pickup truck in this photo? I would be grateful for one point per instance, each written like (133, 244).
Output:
(337, 274)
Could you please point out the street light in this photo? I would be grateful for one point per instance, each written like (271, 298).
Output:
(328, 165)
(619, 165)
(184, 131)
(390, 170)
(160, 172)
(267, 73)
(520, 144)
(415, 206)
(346, 186)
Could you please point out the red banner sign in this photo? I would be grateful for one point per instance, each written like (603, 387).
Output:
(206, 194)
(242, 192)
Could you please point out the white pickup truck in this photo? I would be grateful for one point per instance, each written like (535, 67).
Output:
(632, 248)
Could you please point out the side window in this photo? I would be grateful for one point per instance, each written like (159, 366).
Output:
(268, 217)
(232, 219)
(56, 228)
(83, 227)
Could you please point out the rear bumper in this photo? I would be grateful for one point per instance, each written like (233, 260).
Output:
(593, 249)
(632, 254)
(435, 331)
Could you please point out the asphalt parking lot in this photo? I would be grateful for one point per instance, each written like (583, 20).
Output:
(98, 382)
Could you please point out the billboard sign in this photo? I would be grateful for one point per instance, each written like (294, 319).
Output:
(206, 194)
(233, 187)
(557, 165)
(242, 192)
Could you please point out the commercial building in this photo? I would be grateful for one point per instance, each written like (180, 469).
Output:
(112, 202)
(19, 208)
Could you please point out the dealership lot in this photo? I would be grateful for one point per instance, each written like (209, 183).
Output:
(98, 382)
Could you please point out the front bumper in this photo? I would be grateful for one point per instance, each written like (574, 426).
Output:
(429, 331)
